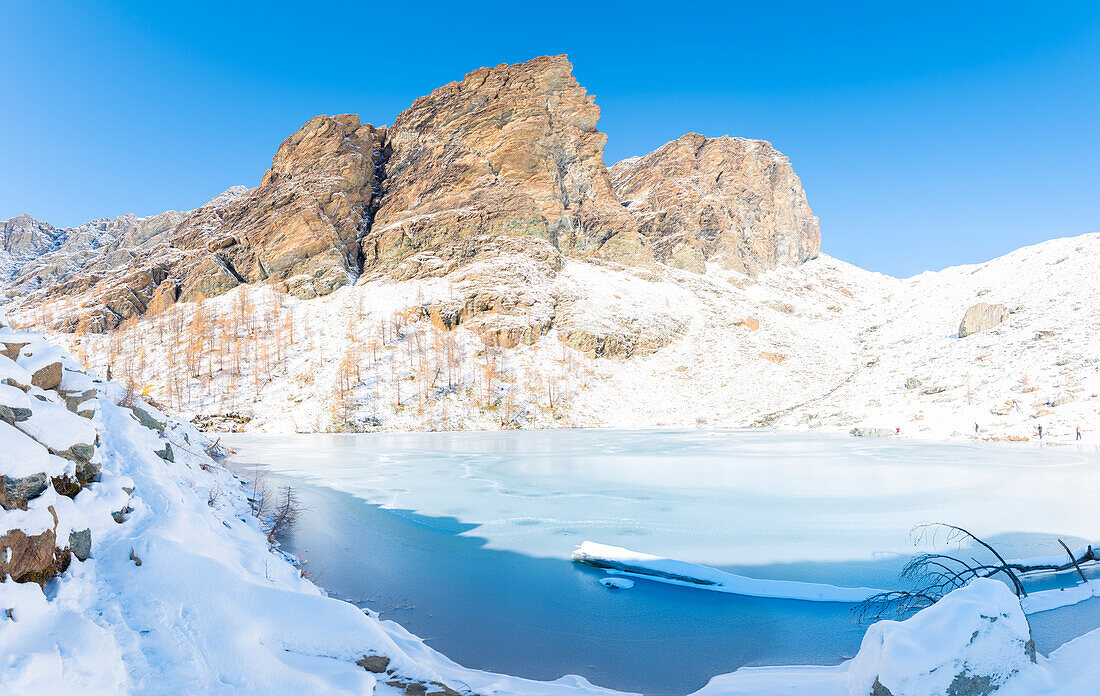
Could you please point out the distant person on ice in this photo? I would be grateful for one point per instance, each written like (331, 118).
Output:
(1040, 432)
(1078, 432)
(975, 428)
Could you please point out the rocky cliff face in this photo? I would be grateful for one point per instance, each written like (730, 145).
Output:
(507, 151)
(24, 239)
(301, 226)
(491, 181)
(731, 201)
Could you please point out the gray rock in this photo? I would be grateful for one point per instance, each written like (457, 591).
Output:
(374, 663)
(166, 454)
(87, 470)
(147, 420)
(74, 399)
(15, 492)
(980, 317)
(80, 543)
(871, 432)
(14, 414)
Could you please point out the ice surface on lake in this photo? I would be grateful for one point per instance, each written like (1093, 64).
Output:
(471, 547)
(727, 499)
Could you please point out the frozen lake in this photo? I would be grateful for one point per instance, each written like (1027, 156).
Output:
(465, 538)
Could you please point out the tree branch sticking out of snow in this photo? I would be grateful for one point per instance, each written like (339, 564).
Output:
(284, 517)
(934, 575)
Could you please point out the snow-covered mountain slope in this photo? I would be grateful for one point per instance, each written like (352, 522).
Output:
(148, 570)
(1041, 366)
(822, 345)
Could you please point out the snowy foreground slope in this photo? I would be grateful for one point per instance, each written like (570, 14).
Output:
(824, 345)
(179, 590)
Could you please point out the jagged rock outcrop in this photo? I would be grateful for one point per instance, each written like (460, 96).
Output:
(301, 226)
(98, 274)
(90, 251)
(507, 151)
(980, 317)
(23, 239)
(731, 201)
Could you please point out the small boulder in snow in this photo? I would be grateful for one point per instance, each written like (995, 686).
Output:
(147, 419)
(30, 557)
(980, 317)
(15, 492)
(14, 414)
(80, 543)
(376, 664)
(47, 376)
(970, 643)
(166, 454)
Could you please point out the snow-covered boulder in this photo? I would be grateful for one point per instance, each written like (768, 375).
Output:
(980, 317)
(970, 643)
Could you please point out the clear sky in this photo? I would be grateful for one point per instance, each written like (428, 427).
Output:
(926, 134)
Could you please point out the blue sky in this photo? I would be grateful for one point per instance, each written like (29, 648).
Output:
(926, 134)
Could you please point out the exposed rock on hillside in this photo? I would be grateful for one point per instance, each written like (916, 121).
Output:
(507, 151)
(980, 317)
(731, 201)
(491, 179)
(103, 271)
(90, 250)
(23, 239)
(301, 226)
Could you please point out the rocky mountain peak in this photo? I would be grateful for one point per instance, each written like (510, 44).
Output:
(500, 171)
(732, 201)
(510, 150)
(302, 225)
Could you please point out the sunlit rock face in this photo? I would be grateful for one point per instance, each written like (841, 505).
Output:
(731, 201)
(980, 317)
(301, 226)
(507, 151)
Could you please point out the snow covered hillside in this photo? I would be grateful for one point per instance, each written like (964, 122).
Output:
(134, 564)
(824, 345)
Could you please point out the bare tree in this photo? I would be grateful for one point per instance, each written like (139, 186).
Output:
(284, 517)
(933, 575)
